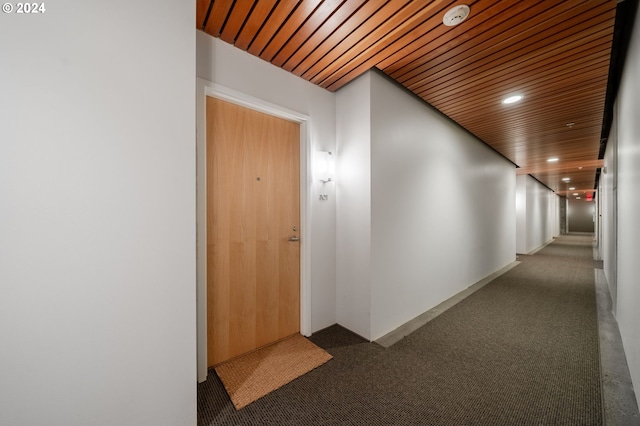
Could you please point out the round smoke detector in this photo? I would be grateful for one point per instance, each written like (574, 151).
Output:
(456, 15)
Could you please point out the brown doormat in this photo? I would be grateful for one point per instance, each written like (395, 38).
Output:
(254, 375)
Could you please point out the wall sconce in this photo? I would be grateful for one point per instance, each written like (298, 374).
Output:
(325, 166)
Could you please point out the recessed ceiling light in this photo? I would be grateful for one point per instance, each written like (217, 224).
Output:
(578, 198)
(512, 99)
(575, 193)
(571, 124)
(456, 15)
(572, 188)
(566, 179)
(552, 160)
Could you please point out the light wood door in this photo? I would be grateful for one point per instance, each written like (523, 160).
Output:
(253, 211)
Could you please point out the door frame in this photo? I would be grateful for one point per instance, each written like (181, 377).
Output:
(206, 88)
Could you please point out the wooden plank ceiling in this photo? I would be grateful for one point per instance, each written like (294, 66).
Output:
(555, 53)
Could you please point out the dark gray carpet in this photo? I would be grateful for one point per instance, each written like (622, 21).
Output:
(523, 350)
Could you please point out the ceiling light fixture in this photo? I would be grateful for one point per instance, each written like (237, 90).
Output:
(552, 160)
(571, 124)
(578, 198)
(575, 193)
(566, 179)
(512, 99)
(572, 188)
(456, 15)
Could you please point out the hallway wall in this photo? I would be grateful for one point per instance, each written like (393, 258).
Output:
(97, 215)
(537, 214)
(607, 192)
(628, 182)
(353, 193)
(562, 215)
(441, 206)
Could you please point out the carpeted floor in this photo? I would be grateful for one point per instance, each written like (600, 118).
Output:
(523, 350)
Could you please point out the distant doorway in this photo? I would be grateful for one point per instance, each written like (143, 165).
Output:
(581, 216)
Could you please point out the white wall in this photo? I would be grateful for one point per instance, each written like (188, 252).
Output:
(97, 215)
(424, 209)
(554, 212)
(442, 207)
(225, 65)
(607, 194)
(538, 214)
(521, 214)
(353, 187)
(628, 179)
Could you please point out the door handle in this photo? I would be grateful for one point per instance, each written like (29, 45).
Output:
(294, 238)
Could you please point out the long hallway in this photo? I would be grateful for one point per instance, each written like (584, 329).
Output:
(523, 349)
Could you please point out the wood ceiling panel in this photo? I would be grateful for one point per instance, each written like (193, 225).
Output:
(534, 79)
(551, 140)
(217, 16)
(338, 37)
(517, 41)
(540, 107)
(508, 59)
(579, 179)
(311, 25)
(524, 135)
(252, 26)
(236, 19)
(454, 59)
(361, 37)
(429, 49)
(271, 26)
(532, 69)
(430, 28)
(324, 31)
(368, 57)
(202, 7)
(483, 119)
(563, 83)
(299, 16)
(554, 52)
(536, 154)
